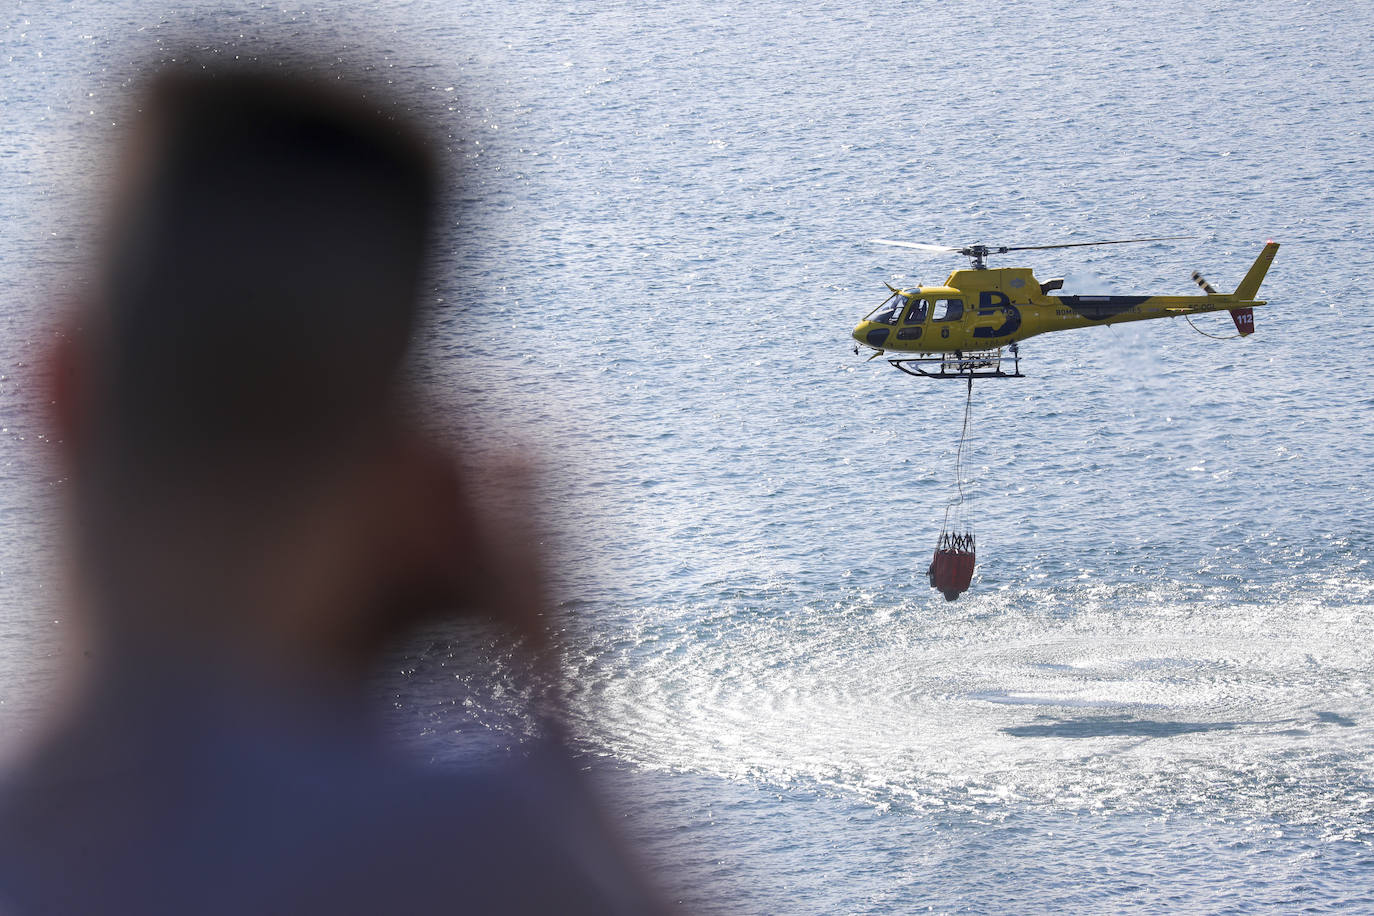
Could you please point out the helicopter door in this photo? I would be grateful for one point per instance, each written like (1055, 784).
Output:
(946, 310)
(914, 320)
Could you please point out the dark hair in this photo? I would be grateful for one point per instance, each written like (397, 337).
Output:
(263, 270)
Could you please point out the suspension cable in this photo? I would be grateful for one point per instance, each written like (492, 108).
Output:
(958, 504)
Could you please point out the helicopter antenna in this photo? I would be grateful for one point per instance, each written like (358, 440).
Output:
(979, 253)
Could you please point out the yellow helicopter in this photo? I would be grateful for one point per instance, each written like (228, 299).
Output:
(958, 330)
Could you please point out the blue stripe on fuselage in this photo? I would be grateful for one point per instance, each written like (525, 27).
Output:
(1099, 308)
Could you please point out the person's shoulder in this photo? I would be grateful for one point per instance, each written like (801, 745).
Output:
(526, 835)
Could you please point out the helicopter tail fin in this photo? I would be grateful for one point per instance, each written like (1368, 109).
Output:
(1245, 320)
(1244, 317)
(1255, 276)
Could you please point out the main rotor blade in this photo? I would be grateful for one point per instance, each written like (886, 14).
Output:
(944, 249)
(1158, 238)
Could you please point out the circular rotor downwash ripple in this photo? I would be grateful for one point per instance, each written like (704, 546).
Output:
(1084, 699)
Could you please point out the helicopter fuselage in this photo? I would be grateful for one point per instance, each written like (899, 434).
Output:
(983, 309)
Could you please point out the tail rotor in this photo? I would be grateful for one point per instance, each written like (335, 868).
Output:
(1243, 317)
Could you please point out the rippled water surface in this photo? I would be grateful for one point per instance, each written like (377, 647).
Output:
(1159, 693)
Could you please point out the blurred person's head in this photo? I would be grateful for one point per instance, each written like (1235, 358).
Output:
(234, 402)
(254, 509)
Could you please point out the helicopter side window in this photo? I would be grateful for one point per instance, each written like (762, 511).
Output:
(948, 309)
(917, 313)
(889, 311)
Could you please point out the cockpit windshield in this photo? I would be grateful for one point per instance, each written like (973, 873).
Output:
(890, 311)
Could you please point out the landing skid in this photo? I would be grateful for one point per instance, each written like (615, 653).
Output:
(981, 364)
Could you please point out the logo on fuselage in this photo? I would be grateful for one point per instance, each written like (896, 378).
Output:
(992, 302)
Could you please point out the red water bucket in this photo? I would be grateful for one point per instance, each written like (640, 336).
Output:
(951, 572)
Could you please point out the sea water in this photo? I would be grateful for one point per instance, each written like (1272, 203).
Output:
(1159, 692)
